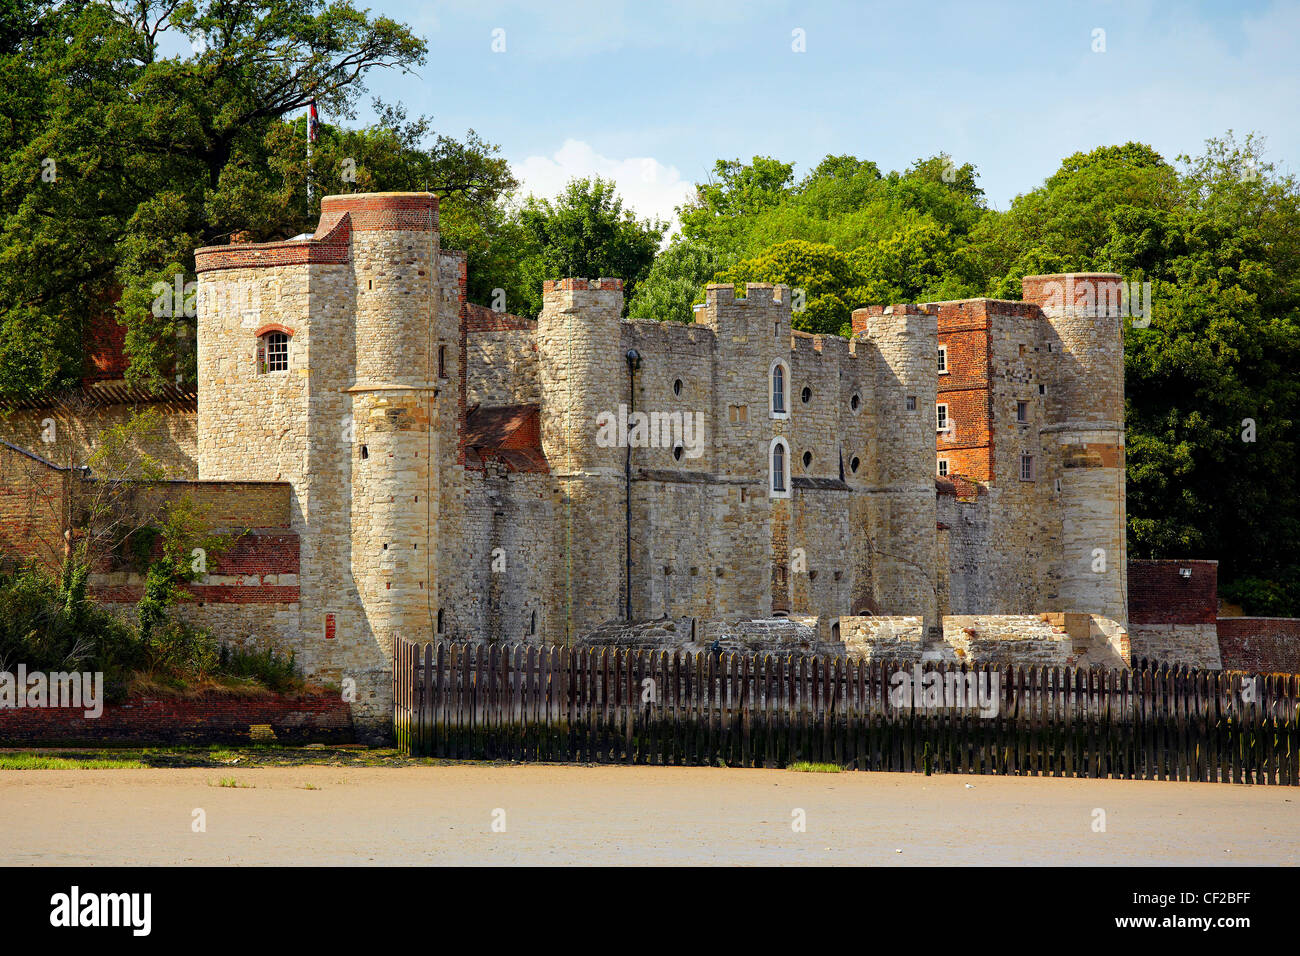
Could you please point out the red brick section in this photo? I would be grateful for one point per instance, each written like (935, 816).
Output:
(1261, 645)
(316, 718)
(964, 327)
(511, 434)
(376, 212)
(1071, 289)
(254, 557)
(479, 318)
(1158, 594)
(104, 344)
(34, 496)
(333, 248)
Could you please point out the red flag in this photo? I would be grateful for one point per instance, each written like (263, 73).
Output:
(313, 123)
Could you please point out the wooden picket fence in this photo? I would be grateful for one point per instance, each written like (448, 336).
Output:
(606, 705)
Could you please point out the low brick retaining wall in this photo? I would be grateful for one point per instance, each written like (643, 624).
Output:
(322, 718)
(1260, 644)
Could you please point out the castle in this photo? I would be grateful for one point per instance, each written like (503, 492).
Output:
(947, 482)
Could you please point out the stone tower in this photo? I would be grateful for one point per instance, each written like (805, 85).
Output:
(1085, 405)
(904, 556)
(319, 364)
(398, 416)
(584, 372)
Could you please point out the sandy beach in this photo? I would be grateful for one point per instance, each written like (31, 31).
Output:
(628, 815)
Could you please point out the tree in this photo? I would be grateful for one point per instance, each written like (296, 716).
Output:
(125, 159)
(825, 279)
(584, 232)
(675, 282)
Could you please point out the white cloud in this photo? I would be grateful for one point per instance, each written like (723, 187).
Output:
(646, 185)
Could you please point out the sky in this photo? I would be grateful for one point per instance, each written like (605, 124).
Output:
(652, 94)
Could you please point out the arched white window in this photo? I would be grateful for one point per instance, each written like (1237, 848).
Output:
(778, 485)
(779, 379)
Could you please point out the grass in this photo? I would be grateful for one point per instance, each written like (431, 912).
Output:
(29, 761)
(804, 766)
(232, 783)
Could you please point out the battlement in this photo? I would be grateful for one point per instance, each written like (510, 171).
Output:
(582, 285)
(381, 212)
(808, 343)
(756, 294)
(878, 317)
(1086, 293)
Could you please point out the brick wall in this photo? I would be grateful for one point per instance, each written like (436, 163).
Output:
(33, 495)
(320, 718)
(1260, 644)
(1159, 594)
(258, 568)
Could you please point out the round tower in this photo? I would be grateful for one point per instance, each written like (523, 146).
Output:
(904, 553)
(395, 409)
(584, 424)
(1085, 415)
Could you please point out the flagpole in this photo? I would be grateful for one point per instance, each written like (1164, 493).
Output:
(309, 132)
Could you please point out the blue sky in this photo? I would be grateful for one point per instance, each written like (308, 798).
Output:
(650, 94)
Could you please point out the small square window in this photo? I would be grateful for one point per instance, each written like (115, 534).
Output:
(1022, 411)
(1042, 389)
(910, 403)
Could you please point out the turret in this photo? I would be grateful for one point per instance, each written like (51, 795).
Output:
(584, 379)
(1085, 412)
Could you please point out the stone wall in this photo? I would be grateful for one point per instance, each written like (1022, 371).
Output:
(901, 638)
(68, 433)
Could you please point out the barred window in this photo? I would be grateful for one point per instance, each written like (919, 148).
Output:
(1026, 467)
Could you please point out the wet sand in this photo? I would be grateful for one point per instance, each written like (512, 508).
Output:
(629, 815)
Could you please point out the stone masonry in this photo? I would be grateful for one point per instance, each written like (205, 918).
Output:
(472, 475)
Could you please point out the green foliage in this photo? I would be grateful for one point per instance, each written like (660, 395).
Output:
(41, 628)
(184, 533)
(675, 282)
(118, 159)
(584, 232)
(264, 666)
(1217, 236)
(826, 279)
